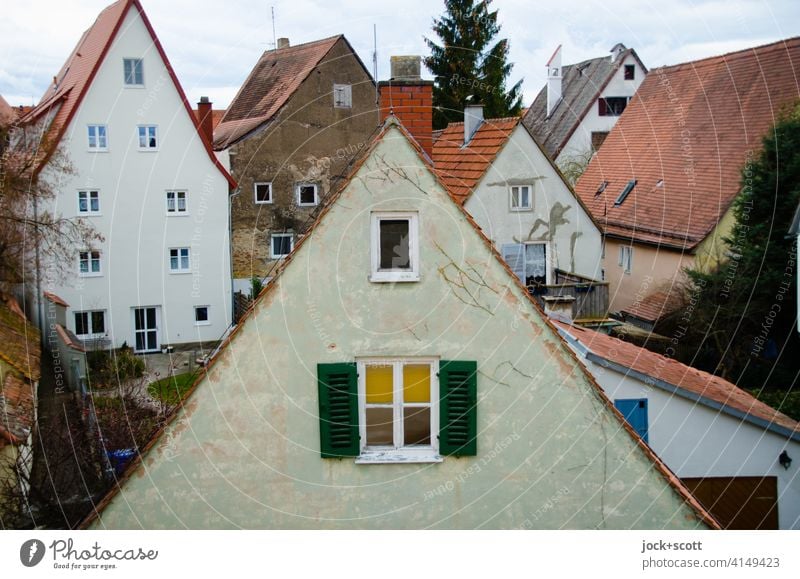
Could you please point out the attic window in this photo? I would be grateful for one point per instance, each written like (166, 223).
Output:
(628, 188)
(342, 96)
(134, 71)
(394, 247)
(630, 71)
(611, 106)
(601, 188)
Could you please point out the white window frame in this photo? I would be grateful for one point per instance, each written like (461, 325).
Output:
(92, 334)
(548, 259)
(511, 190)
(180, 269)
(176, 211)
(207, 321)
(395, 453)
(255, 192)
(272, 236)
(92, 255)
(342, 96)
(125, 75)
(101, 141)
(147, 129)
(89, 194)
(626, 258)
(389, 276)
(297, 189)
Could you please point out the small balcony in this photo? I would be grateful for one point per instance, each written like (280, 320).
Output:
(589, 297)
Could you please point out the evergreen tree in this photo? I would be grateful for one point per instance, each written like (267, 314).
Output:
(468, 65)
(742, 322)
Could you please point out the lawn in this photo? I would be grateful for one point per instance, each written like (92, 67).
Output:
(171, 389)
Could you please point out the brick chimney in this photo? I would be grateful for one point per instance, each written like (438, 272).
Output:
(410, 99)
(206, 120)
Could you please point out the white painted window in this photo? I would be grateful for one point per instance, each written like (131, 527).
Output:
(89, 202)
(529, 261)
(89, 264)
(342, 96)
(263, 192)
(176, 203)
(521, 198)
(625, 257)
(98, 137)
(280, 245)
(148, 137)
(394, 247)
(179, 260)
(398, 401)
(201, 316)
(134, 71)
(90, 324)
(307, 194)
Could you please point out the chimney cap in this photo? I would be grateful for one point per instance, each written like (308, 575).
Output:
(204, 100)
(406, 67)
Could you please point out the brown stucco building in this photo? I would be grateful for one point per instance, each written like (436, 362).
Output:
(290, 133)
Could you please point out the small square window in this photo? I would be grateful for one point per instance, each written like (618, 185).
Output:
(89, 264)
(630, 71)
(611, 106)
(201, 316)
(263, 192)
(179, 260)
(134, 71)
(521, 198)
(148, 137)
(395, 247)
(90, 324)
(280, 245)
(342, 96)
(307, 194)
(176, 203)
(98, 137)
(88, 202)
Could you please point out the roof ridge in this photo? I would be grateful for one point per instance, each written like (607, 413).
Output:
(735, 54)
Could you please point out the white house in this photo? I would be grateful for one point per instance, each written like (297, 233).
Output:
(737, 455)
(147, 180)
(581, 103)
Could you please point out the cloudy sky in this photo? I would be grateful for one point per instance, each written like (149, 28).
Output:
(213, 44)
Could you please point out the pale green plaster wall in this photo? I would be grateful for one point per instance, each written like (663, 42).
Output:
(245, 451)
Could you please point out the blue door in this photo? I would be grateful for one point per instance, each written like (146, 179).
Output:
(635, 412)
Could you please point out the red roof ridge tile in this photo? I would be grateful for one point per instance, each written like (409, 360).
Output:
(734, 54)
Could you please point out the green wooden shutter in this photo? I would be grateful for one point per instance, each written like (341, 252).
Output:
(458, 408)
(338, 410)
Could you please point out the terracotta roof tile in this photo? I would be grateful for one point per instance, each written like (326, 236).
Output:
(19, 340)
(679, 375)
(460, 168)
(685, 137)
(275, 78)
(55, 299)
(653, 307)
(16, 410)
(62, 99)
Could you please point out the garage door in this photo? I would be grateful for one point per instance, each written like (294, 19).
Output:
(739, 502)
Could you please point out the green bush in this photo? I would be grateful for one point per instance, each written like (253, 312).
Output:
(786, 401)
(109, 368)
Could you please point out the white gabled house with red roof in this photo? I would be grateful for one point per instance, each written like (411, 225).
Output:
(737, 455)
(147, 181)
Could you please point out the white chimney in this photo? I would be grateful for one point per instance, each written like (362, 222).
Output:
(283, 43)
(473, 117)
(618, 49)
(554, 80)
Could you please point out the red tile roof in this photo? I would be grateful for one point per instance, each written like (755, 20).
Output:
(62, 99)
(275, 78)
(19, 340)
(685, 137)
(7, 114)
(679, 375)
(55, 299)
(655, 306)
(216, 116)
(461, 168)
(16, 410)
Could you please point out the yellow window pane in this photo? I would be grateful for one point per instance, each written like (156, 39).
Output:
(417, 383)
(379, 384)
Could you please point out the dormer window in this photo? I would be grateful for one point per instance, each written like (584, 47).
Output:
(134, 71)
(395, 247)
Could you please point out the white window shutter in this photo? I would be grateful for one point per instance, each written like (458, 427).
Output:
(514, 255)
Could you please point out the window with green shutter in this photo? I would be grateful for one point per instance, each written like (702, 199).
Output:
(458, 408)
(338, 409)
